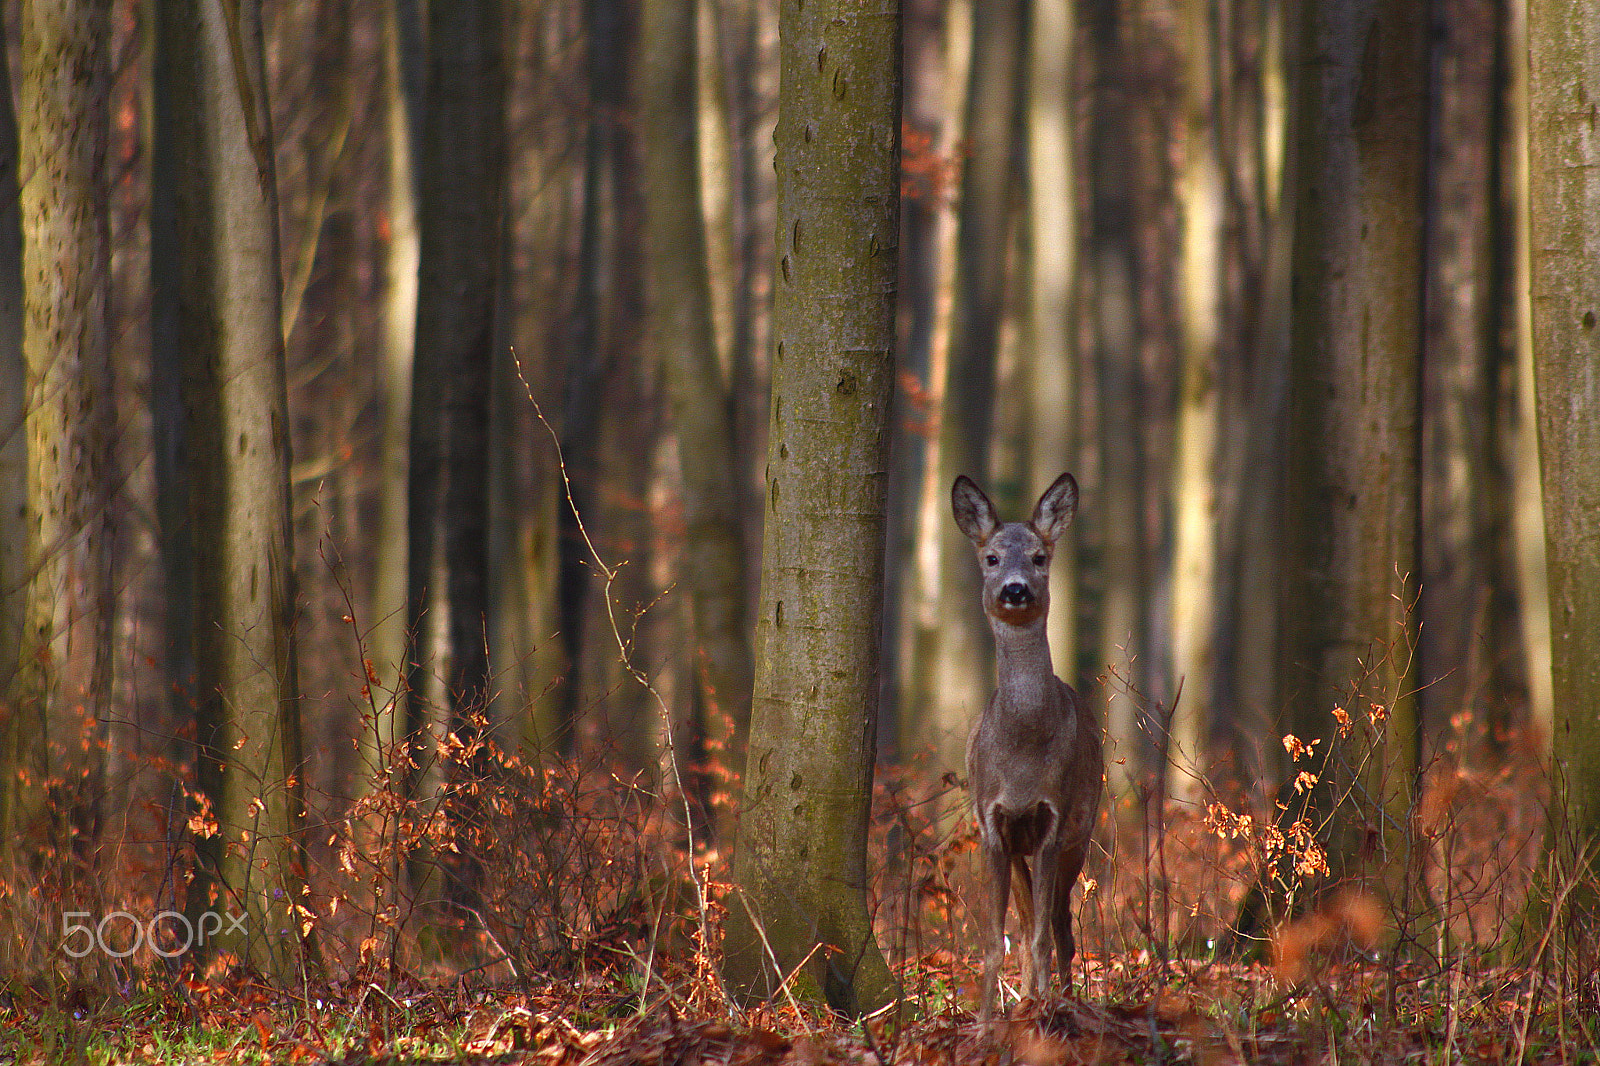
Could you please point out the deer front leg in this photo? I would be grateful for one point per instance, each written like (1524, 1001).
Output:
(1000, 880)
(1046, 887)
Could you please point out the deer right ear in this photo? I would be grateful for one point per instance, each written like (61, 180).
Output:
(974, 513)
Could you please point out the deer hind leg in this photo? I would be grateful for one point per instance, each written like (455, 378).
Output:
(1000, 881)
(1047, 891)
(1071, 865)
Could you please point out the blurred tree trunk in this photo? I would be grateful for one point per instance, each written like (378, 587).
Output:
(1564, 62)
(962, 663)
(918, 728)
(14, 523)
(1527, 515)
(609, 32)
(214, 137)
(681, 310)
(461, 173)
(61, 693)
(400, 99)
(1469, 658)
(1051, 354)
(1195, 500)
(1350, 495)
(1111, 277)
(800, 863)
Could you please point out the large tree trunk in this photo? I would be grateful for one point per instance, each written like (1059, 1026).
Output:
(800, 863)
(1564, 206)
(214, 138)
(61, 690)
(1350, 495)
(681, 311)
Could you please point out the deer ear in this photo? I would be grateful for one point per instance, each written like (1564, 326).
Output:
(974, 513)
(1055, 508)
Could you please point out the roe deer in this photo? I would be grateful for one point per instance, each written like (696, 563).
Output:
(1034, 760)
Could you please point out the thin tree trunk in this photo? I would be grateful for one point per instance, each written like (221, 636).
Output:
(387, 616)
(14, 523)
(1112, 287)
(800, 863)
(1194, 484)
(1052, 269)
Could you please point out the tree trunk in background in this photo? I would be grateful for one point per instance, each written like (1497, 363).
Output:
(919, 729)
(588, 363)
(800, 863)
(681, 312)
(1194, 480)
(1527, 515)
(1052, 267)
(14, 523)
(1466, 653)
(1350, 496)
(1111, 288)
(403, 65)
(1564, 212)
(962, 664)
(62, 693)
(214, 129)
(461, 173)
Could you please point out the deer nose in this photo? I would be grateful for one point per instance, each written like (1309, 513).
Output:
(1016, 594)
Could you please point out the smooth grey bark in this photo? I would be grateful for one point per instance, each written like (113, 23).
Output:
(800, 859)
(1564, 239)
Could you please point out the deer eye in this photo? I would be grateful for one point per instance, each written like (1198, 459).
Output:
(1038, 560)
(992, 560)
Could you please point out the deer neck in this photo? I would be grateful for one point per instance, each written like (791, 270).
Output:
(1025, 679)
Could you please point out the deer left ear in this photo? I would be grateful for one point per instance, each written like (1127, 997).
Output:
(975, 515)
(1055, 508)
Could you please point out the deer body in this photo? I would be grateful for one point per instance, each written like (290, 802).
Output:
(1034, 760)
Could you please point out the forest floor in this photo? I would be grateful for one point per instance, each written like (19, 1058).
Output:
(1129, 1011)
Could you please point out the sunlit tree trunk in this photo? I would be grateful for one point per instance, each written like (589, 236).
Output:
(213, 128)
(386, 643)
(62, 690)
(1052, 267)
(682, 314)
(800, 860)
(1194, 482)
(1564, 236)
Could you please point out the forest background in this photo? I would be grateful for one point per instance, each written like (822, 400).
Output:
(386, 462)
